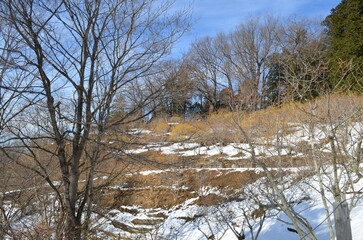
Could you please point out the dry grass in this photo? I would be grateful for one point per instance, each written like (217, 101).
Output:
(326, 109)
(160, 126)
(268, 122)
(183, 131)
(335, 108)
(222, 127)
(170, 188)
(176, 119)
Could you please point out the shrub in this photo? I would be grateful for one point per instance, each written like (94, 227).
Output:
(183, 131)
(160, 126)
(265, 123)
(337, 107)
(176, 119)
(222, 128)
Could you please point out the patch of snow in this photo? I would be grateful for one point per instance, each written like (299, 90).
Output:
(136, 151)
(139, 131)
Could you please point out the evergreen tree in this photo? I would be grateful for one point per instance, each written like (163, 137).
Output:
(344, 30)
(275, 90)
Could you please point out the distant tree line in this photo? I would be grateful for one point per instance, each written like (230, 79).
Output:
(266, 61)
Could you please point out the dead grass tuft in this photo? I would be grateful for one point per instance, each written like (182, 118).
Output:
(183, 131)
(160, 126)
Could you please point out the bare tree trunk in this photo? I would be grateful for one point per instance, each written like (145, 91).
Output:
(359, 153)
(342, 221)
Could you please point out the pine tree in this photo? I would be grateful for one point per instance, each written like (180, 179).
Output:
(344, 31)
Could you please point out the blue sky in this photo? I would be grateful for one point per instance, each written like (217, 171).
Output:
(214, 16)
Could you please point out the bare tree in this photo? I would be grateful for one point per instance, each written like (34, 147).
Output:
(252, 44)
(178, 88)
(302, 61)
(13, 90)
(74, 57)
(203, 64)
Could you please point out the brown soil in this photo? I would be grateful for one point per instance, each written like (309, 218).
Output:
(171, 188)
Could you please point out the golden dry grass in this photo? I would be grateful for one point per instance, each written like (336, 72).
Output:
(183, 131)
(324, 110)
(160, 126)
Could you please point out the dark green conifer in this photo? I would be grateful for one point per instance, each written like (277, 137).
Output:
(344, 31)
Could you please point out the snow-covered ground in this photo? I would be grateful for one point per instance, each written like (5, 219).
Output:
(191, 222)
(282, 146)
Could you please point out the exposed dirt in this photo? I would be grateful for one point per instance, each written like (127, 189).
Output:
(210, 200)
(173, 187)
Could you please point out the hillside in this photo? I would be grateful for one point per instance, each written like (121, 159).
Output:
(207, 186)
(198, 179)
(163, 119)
